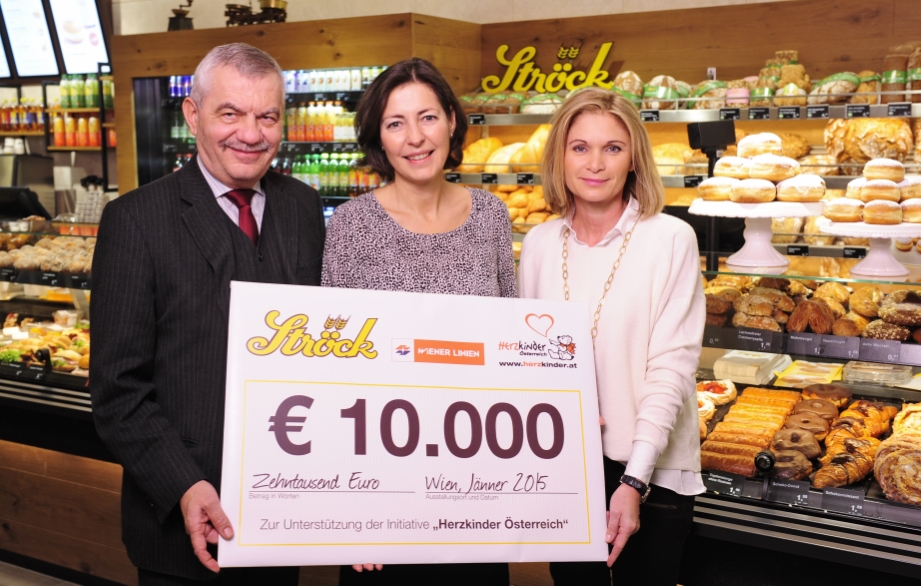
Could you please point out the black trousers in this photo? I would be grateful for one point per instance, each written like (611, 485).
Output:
(440, 574)
(652, 556)
(284, 576)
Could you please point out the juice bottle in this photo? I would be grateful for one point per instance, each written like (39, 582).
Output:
(77, 92)
(65, 91)
(113, 142)
(5, 117)
(58, 129)
(291, 123)
(70, 130)
(310, 123)
(91, 91)
(26, 116)
(344, 175)
(329, 123)
(353, 175)
(313, 172)
(324, 174)
(107, 93)
(93, 131)
(14, 117)
(300, 123)
(39, 117)
(83, 138)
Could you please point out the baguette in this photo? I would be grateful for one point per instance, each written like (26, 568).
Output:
(759, 441)
(795, 396)
(743, 465)
(729, 449)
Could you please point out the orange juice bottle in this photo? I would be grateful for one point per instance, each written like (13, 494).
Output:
(300, 124)
(94, 137)
(291, 123)
(329, 123)
(70, 130)
(310, 117)
(58, 129)
(83, 138)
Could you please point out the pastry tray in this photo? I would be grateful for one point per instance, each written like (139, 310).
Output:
(864, 230)
(773, 209)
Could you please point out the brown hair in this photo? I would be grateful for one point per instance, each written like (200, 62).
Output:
(371, 108)
(643, 182)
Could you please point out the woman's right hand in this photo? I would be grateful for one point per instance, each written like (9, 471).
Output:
(368, 567)
(623, 519)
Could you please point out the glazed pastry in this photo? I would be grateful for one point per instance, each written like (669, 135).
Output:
(866, 300)
(791, 464)
(908, 420)
(756, 410)
(814, 313)
(743, 429)
(844, 210)
(744, 320)
(875, 418)
(754, 305)
(758, 420)
(760, 144)
(786, 404)
(759, 441)
(836, 308)
(896, 468)
(773, 168)
(718, 391)
(819, 407)
(705, 408)
(809, 422)
(884, 169)
(845, 428)
(881, 330)
(795, 396)
(805, 187)
(729, 449)
(911, 212)
(843, 469)
(910, 188)
(794, 145)
(851, 324)
(902, 314)
(867, 446)
(753, 191)
(733, 464)
(716, 188)
(837, 394)
(796, 439)
(731, 167)
(882, 189)
(854, 187)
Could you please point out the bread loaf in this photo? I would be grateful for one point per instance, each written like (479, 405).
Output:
(895, 77)
(527, 158)
(476, 155)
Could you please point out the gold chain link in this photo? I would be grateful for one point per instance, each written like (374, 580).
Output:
(607, 284)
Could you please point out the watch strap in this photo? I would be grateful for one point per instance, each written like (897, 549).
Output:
(638, 485)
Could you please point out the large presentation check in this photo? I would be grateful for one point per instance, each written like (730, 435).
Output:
(382, 427)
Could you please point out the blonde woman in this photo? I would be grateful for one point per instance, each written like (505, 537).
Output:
(639, 272)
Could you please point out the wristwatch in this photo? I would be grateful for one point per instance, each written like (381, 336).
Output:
(640, 486)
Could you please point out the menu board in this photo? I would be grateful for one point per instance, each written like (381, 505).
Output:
(30, 39)
(83, 45)
(4, 64)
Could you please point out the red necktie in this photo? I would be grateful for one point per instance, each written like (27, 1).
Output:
(242, 198)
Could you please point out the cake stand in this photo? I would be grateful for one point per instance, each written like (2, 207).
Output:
(757, 255)
(879, 261)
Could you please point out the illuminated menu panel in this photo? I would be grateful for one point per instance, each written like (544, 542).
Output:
(4, 64)
(30, 39)
(83, 45)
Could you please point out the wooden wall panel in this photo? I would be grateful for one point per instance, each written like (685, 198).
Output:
(453, 46)
(92, 473)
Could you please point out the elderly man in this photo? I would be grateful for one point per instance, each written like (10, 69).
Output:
(163, 264)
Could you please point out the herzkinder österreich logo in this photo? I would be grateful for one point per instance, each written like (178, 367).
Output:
(555, 347)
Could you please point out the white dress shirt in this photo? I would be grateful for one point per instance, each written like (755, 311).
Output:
(233, 212)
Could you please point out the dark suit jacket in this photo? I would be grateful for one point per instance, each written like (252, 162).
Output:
(161, 272)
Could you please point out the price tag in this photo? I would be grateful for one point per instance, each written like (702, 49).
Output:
(842, 347)
(858, 110)
(8, 274)
(879, 350)
(759, 114)
(713, 337)
(789, 492)
(476, 119)
(12, 369)
(798, 250)
(338, 147)
(693, 180)
(649, 115)
(842, 500)
(730, 113)
(910, 354)
(805, 344)
(788, 113)
(350, 147)
(50, 279)
(755, 340)
(342, 95)
(855, 252)
(526, 179)
(816, 112)
(33, 373)
(319, 97)
(453, 177)
(316, 147)
(489, 178)
(900, 110)
(724, 483)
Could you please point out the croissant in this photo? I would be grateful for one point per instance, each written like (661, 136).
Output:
(845, 468)
(866, 446)
(846, 428)
(875, 416)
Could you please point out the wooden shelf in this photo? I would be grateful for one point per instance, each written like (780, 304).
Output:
(26, 133)
(73, 110)
(76, 148)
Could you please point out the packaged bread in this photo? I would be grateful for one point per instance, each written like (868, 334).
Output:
(467, 103)
(788, 55)
(541, 104)
(796, 74)
(895, 77)
(629, 85)
(760, 97)
(708, 95)
(684, 91)
(914, 74)
(834, 89)
(870, 84)
(661, 93)
(670, 157)
(499, 160)
(476, 155)
(790, 95)
(527, 158)
(502, 103)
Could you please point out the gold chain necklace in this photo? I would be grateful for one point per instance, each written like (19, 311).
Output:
(607, 284)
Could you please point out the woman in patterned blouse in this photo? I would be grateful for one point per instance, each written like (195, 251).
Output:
(419, 233)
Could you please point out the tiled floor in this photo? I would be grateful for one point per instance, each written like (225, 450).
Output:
(11, 575)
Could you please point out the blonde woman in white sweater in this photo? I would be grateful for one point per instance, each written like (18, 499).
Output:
(639, 271)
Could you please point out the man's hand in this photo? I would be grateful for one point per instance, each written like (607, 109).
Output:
(623, 519)
(368, 567)
(204, 521)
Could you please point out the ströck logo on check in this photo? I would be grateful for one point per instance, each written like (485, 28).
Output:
(440, 351)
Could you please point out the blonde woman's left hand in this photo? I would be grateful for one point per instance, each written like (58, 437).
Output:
(623, 519)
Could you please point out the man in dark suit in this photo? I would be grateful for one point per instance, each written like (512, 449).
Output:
(164, 260)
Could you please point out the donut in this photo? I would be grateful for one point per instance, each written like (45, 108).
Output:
(806, 187)
(910, 187)
(844, 209)
(881, 211)
(880, 189)
(719, 392)
(884, 169)
(904, 244)
(790, 465)
(705, 408)
(838, 395)
(854, 187)
(911, 212)
(809, 422)
(773, 168)
(760, 144)
(753, 191)
(881, 330)
(716, 188)
(901, 314)
(820, 407)
(797, 439)
(733, 167)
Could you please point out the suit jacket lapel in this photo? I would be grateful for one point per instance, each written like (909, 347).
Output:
(207, 224)
(279, 224)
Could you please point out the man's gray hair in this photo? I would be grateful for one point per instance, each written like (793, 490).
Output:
(249, 62)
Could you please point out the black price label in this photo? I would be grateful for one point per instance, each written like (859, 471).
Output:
(526, 179)
(789, 492)
(910, 354)
(724, 483)
(900, 110)
(879, 350)
(842, 500)
(759, 114)
(649, 115)
(80, 282)
(319, 97)
(316, 147)
(342, 95)
(50, 279)
(453, 177)
(816, 112)
(805, 344)
(12, 369)
(7, 274)
(33, 372)
(476, 119)
(858, 111)
(693, 180)
(489, 178)
(755, 340)
(798, 250)
(855, 252)
(350, 147)
(713, 337)
(789, 113)
(842, 347)
(730, 113)
(338, 147)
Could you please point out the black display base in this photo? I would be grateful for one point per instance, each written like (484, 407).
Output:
(51, 431)
(59, 572)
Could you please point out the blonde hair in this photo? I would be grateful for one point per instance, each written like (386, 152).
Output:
(643, 183)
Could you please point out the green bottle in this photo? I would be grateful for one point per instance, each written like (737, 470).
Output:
(65, 91)
(324, 175)
(77, 92)
(344, 175)
(313, 172)
(91, 90)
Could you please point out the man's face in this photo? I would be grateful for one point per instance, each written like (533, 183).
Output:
(238, 125)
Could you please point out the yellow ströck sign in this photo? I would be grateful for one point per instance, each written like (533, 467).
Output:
(523, 75)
